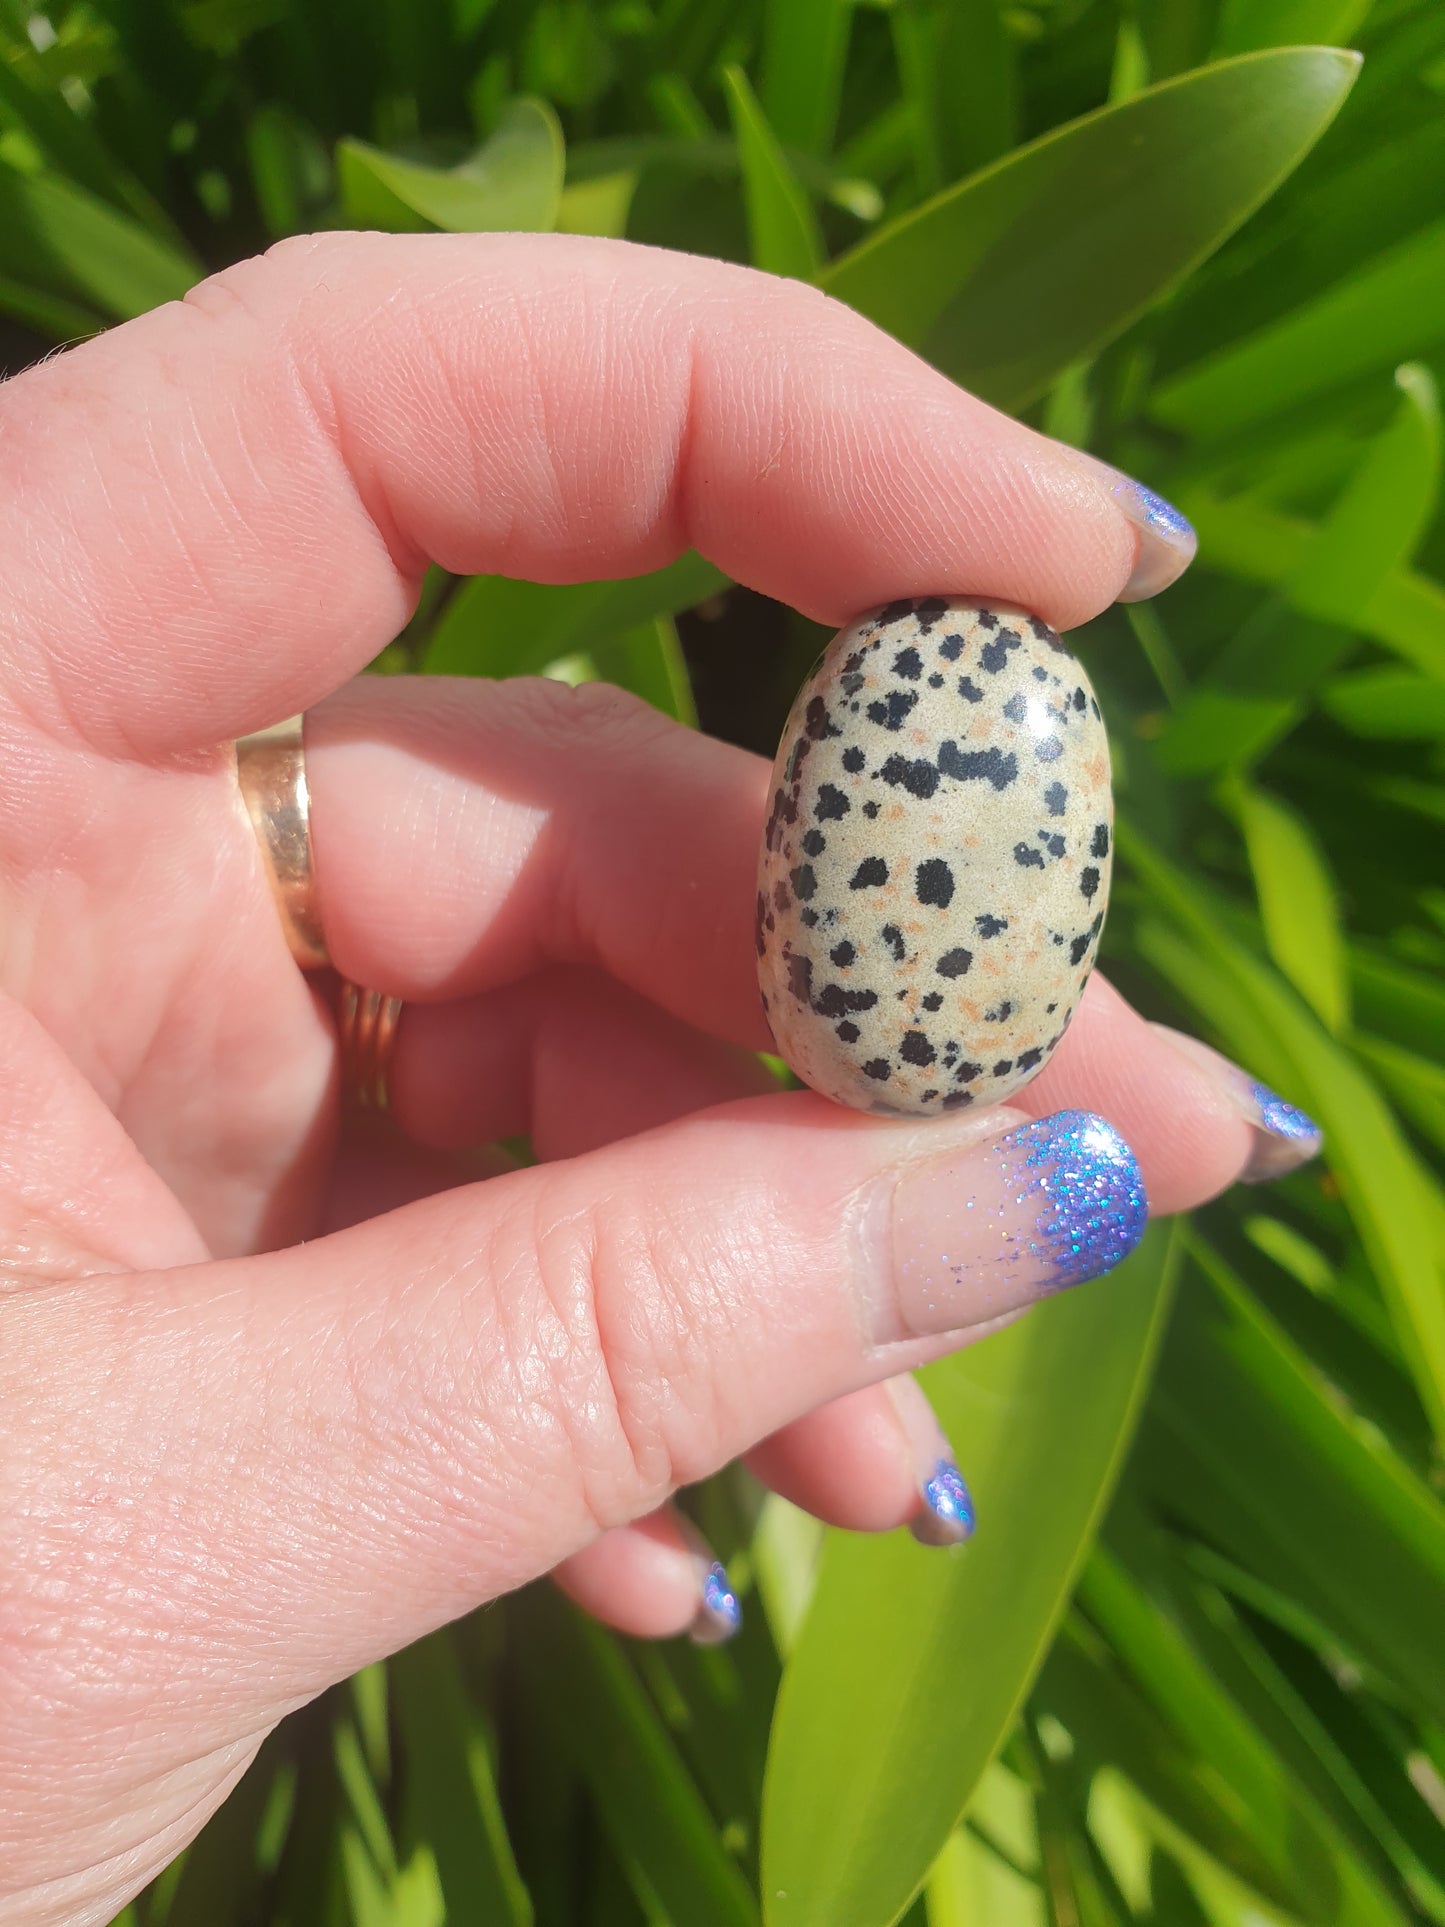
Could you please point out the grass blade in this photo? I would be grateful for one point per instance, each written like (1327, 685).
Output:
(512, 184)
(782, 230)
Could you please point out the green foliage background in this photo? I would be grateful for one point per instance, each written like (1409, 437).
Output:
(1193, 1668)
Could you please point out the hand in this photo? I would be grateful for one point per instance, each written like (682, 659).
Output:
(239, 1466)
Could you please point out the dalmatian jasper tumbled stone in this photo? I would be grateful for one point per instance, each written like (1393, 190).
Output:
(936, 863)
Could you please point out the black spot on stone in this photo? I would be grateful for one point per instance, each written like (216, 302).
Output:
(1040, 673)
(986, 619)
(1000, 1013)
(893, 712)
(995, 651)
(1053, 844)
(1079, 945)
(916, 1049)
(852, 760)
(930, 610)
(802, 749)
(1003, 1067)
(978, 765)
(1100, 844)
(832, 802)
(816, 722)
(966, 1073)
(870, 874)
(1049, 1009)
(834, 1001)
(842, 954)
(850, 685)
(1049, 750)
(760, 925)
(805, 882)
(990, 926)
(969, 690)
(954, 963)
(934, 1000)
(1027, 858)
(1093, 704)
(895, 612)
(956, 1100)
(908, 663)
(933, 883)
(902, 994)
(782, 896)
(870, 809)
(1056, 798)
(808, 918)
(914, 774)
(935, 681)
(847, 1033)
(814, 842)
(893, 937)
(1015, 709)
(1027, 1059)
(879, 1068)
(928, 1097)
(800, 979)
(1088, 883)
(1045, 633)
(951, 648)
(1079, 698)
(853, 662)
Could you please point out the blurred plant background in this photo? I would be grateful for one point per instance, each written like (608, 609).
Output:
(1192, 1670)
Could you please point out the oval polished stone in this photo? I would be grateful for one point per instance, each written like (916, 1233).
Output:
(935, 868)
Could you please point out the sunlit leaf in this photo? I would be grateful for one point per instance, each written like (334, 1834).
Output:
(1298, 902)
(782, 228)
(513, 183)
(63, 241)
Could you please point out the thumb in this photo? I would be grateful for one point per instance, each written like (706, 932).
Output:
(299, 1461)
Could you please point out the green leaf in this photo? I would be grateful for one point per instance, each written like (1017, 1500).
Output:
(451, 1794)
(63, 241)
(1245, 25)
(648, 660)
(1298, 905)
(890, 1667)
(513, 184)
(1008, 278)
(1390, 704)
(805, 49)
(1391, 310)
(580, 1685)
(597, 206)
(1373, 528)
(1415, 1083)
(782, 229)
(495, 626)
(1262, 1024)
(1217, 729)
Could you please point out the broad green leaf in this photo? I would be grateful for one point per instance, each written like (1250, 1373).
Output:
(581, 1686)
(598, 206)
(1390, 704)
(1417, 1084)
(1373, 528)
(805, 49)
(291, 171)
(1264, 1026)
(1291, 1479)
(1406, 614)
(1391, 310)
(451, 1794)
(1403, 1003)
(1245, 25)
(63, 241)
(874, 1757)
(1217, 729)
(372, 1827)
(958, 70)
(648, 660)
(1039, 261)
(495, 626)
(221, 1872)
(47, 314)
(1298, 902)
(782, 228)
(512, 184)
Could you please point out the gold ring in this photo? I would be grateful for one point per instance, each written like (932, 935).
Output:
(271, 772)
(366, 1022)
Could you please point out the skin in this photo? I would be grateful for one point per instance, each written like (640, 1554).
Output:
(235, 1466)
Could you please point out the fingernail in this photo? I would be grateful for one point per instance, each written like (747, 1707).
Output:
(719, 1616)
(945, 1515)
(985, 1231)
(1285, 1137)
(1167, 541)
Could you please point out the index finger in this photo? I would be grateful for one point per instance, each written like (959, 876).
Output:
(216, 513)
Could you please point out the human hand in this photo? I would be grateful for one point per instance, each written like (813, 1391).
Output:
(239, 1466)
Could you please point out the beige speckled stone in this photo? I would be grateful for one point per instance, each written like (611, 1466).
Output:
(936, 865)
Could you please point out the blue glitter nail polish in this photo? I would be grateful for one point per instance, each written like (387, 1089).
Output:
(1163, 516)
(1088, 1191)
(1279, 1118)
(948, 1517)
(719, 1616)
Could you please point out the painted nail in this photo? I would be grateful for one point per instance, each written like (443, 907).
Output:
(719, 1616)
(945, 1515)
(1167, 541)
(983, 1232)
(1285, 1137)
